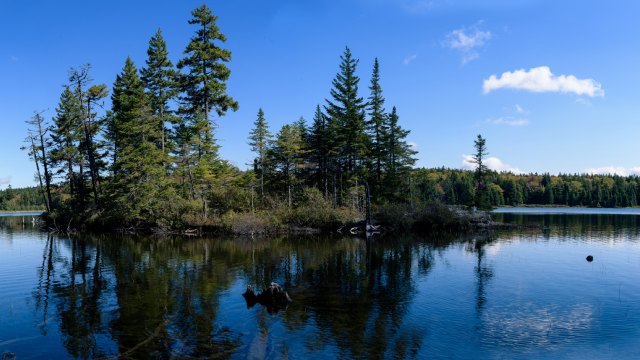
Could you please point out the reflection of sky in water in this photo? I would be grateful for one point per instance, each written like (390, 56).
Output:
(524, 326)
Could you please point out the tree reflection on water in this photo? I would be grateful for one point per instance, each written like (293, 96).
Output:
(135, 297)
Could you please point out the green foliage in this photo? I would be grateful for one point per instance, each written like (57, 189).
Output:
(394, 216)
(38, 147)
(204, 84)
(160, 80)
(346, 110)
(376, 129)
(163, 169)
(313, 210)
(65, 137)
(287, 156)
(432, 216)
(21, 199)
(456, 187)
(482, 199)
(90, 162)
(203, 87)
(319, 151)
(398, 161)
(138, 181)
(317, 212)
(260, 141)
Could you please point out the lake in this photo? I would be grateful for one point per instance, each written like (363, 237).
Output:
(527, 294)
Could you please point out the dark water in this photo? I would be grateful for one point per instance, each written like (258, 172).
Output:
(514, 294)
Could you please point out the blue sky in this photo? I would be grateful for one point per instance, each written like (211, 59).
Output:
(552, 85)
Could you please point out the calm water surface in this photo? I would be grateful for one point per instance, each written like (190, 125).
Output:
(514, 294)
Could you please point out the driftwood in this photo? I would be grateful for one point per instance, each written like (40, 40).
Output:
(274, 298)
(365, 227)
(362, 228)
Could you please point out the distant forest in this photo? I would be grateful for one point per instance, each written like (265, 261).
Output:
(457, 187)
(150, 159)
(29, 198)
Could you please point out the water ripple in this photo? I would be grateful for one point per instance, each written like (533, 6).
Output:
(532, 326)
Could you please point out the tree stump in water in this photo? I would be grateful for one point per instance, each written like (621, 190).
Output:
(274, 298)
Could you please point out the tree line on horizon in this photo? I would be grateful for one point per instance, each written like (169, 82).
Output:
(457, 187)
(21, 199)
(151, 158)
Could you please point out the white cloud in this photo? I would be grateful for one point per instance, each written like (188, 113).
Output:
(541, 79)
(492, 163)
(509, 121)
(409, 59)
(614, 170)
(466, 41)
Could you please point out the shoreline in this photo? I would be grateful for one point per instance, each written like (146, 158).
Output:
(386, 220)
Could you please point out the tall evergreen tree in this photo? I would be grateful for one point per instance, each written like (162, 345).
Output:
(303, 170)
(289, 152)
(346, 113)
(319, 141)
(88, 97)
(375, 125)
(204, 84)
(65, 136)
(204, 90)
(481, 170)
(259, 140)
(399, 154)
(159, 78)
(185, 158)
(138, 164)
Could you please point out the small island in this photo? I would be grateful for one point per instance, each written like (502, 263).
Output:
(149, 160)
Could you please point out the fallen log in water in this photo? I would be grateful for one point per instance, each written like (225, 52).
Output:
(274, 298)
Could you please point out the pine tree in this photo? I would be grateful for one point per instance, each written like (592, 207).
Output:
(319, 141)
(346, 121)
(400, 155)
(204, 84)
(204, 89)
(65, 136)
(375, 125)
(88, 97)
(159, 78)
(302, 171)
(301, 125)
(481, 171)
(289, 152)
(259, 140)
(185, 158)
(138, 164)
